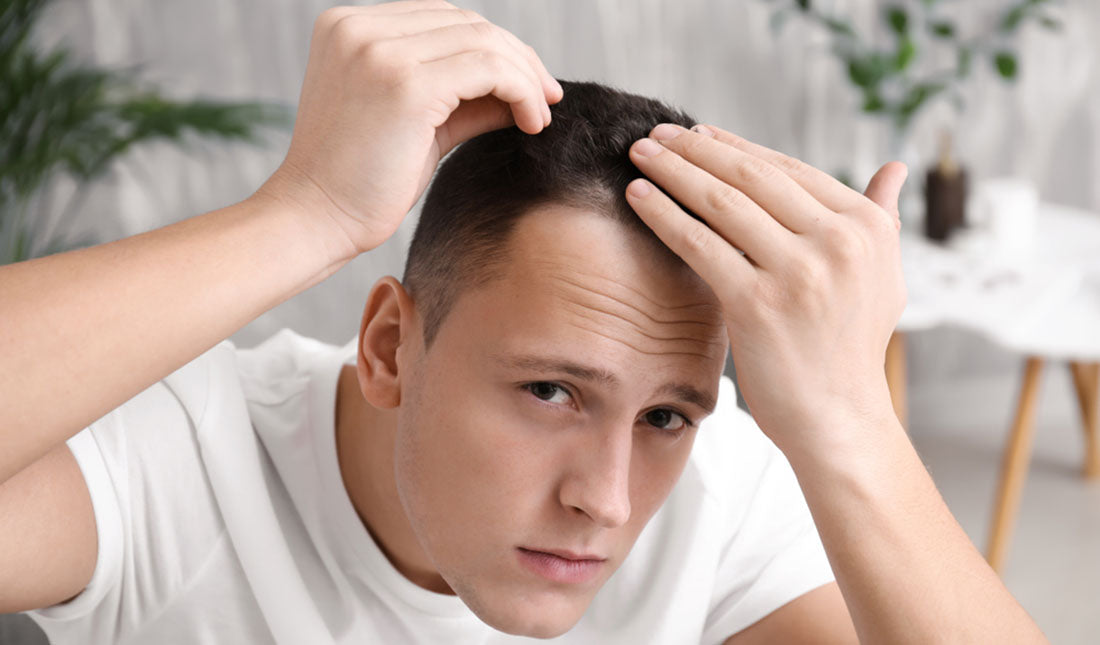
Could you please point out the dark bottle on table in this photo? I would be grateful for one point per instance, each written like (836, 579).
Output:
(944, 195)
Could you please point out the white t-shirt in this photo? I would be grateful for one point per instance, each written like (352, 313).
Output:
(222, 518)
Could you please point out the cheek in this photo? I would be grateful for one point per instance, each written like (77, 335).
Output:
(464, 473)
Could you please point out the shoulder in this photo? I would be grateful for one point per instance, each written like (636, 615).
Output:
(281, 367)
(226, 380)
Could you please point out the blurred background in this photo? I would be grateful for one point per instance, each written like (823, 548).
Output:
(163, 110)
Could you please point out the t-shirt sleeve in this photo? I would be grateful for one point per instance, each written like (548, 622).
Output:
(155, 517)
(772, 553)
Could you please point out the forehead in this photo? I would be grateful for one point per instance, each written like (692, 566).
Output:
(579, 283)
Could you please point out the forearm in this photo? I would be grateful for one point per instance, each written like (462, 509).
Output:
(85, 331)
(908, 572)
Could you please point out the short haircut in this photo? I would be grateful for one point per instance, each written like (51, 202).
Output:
(486, 184)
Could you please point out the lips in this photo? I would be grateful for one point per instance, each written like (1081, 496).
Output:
(559, 565)
(566, 555)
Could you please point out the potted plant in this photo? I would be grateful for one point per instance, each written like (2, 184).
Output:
(897, 78)
(62, 117)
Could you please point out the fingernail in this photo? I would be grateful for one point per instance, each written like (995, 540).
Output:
(666, 131)
(703, 130)
(638, 188)
(647, 147)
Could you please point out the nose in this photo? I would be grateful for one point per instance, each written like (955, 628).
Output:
(598, 482)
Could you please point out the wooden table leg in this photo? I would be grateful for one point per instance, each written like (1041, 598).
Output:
(1086, 378)
(896, 377)
(1014, 466)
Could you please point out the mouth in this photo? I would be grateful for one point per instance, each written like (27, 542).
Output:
(559, 565)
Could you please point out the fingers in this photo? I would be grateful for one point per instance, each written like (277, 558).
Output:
(726, 208)
(410, 23)
(424, 31)
(885, 186)
(825, 188)
(708, 254)
(551, 86)
(783, 199)
(419, 21)
(494, 51)
(474, 74)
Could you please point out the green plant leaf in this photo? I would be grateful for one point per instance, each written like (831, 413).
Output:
(58, 116)
(898, 19)
(905, 53)
(804, 5)
(873, 103)
(867, 71)
(1013, 17)
(914, 99)
(1005, 62)
(943, 29)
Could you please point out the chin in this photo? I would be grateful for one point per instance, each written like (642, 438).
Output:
(535, 626)
(535, 615)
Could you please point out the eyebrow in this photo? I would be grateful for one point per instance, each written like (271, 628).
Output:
(548, 365)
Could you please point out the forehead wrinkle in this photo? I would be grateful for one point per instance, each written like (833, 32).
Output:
(641, 294)
(706, 307)
(675, 328)
(583, 311)
(599, 332)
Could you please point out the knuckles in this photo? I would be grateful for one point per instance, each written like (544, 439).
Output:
(698, 240)
(724, 199)
(844, 243)
(328, 18)
(753, 171)
(790, 165)
(491, 60)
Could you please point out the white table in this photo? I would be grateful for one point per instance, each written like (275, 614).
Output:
(1042, 302)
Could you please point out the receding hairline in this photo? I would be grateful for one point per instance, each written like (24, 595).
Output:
(486, 262)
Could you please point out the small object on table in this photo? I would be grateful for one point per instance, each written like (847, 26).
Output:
(944, 195)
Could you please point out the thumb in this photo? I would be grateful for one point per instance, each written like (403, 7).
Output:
(884, 187)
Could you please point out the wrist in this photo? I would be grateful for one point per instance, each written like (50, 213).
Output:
(308, 217)
(842, 438)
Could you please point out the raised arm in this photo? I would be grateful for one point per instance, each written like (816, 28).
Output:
(388, 90)
(810, 307)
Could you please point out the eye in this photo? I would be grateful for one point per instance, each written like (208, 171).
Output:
(667, 420)
(549, 392)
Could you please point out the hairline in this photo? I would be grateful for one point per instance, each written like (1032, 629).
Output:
(472, 276)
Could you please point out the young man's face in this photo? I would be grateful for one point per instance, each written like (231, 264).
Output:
(554, 412)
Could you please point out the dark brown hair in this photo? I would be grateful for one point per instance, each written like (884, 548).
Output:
(490, 181)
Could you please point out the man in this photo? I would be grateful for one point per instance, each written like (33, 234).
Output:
(523, 410)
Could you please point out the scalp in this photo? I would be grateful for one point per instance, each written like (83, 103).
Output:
(480, 191)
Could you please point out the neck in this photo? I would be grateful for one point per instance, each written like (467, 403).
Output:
(365, 438)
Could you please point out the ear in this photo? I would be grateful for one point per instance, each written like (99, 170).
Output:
(389, 324)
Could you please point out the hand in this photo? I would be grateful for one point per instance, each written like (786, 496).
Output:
(811, 304)
(389, 89)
